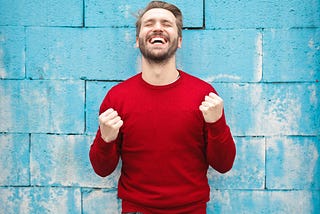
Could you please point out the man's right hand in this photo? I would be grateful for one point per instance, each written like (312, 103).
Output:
(110, 123)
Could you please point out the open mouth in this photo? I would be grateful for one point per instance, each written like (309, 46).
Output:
(157, 40)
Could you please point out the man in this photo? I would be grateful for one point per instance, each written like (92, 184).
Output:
(166, 126)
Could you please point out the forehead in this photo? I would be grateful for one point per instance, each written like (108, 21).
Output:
(158, 14)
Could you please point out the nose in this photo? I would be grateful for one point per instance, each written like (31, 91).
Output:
(157, 26)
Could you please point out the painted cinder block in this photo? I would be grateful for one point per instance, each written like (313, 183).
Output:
(12, 52)
(293, 163)
(288, 52)
(291, 55)
(30, 200)
(100, 201)
(123, 13)
(248, 171)
(33, 106)
(95, 93)
(63, 160)
(74, 53)
(14, 162)
(256, 202)
(261, 14)
(271, 109)
(222, 55)
(41, 13)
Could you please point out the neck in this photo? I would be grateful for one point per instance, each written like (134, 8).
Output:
(162, 73)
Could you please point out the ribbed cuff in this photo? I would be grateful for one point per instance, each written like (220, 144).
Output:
(103, 144)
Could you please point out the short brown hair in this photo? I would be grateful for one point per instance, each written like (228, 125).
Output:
(163, 5)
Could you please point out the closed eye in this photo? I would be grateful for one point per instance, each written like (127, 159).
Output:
(148, 24)
(167, 24)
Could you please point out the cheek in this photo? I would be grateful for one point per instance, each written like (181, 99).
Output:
(141, 35)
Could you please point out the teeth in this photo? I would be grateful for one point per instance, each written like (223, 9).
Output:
(157, 40)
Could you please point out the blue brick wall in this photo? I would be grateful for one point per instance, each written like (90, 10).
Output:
(59, 58)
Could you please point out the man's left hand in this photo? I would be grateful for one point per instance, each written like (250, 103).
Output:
(212, 108)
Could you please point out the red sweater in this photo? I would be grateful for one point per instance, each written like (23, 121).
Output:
(164, 144)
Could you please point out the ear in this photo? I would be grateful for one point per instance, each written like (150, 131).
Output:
(137, 42)
(179, 42)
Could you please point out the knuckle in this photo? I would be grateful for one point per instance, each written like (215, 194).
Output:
(109, 123)
(101, 120)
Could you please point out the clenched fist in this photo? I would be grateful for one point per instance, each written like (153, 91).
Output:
(211, 108)
(110, 123)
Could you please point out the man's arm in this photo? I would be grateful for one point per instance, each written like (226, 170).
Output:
(104, 157)
(221, 149)
(104, 152)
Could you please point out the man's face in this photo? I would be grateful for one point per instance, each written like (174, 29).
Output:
(158, 39)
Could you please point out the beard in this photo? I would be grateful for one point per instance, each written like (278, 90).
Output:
(155, 56)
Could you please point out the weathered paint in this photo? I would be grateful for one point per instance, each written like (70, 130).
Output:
(101, 201)
(281, 46)
(123, 13)
(42, 106)
(95, 93)
(275, 201)
(262, 14)
(222, 56)
(12, 52)
(271, 109)
(80, 53)
(293, 163)
(41, 13)
(243, 175)
(14, 159)
(59, 58)
(63, 161)
(40, 200)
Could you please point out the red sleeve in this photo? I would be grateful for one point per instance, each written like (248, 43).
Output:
(104, 157)
(221, 149)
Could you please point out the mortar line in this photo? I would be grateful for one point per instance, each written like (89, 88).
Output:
(204, 14)
(262, 57)
(81, 200)
(29, 159)
(25, 52)
(85, 107)
(265, 163)
(83, 13)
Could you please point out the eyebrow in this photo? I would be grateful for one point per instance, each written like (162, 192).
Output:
(162, 21)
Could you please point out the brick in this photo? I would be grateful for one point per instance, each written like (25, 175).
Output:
(67, 162)
(291, 55)
(234, 201)
(248, 171)
(123, 13)
(74, 53)
(95, 93)
(101, 201)
(41, 13)
(262, 14)
(42, 106)
(271, 109)
(28, 200)
(223, 55)
(12, 52)
(293, 163)
(14, 163)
